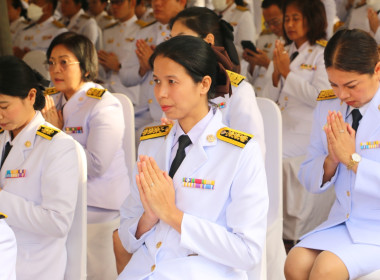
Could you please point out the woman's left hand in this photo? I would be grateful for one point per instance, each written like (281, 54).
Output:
(159, 192)
(51, 114)
(341, 137)
(281, 59)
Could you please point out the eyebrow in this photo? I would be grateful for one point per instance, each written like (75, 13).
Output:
(65, 55)
(346, 84)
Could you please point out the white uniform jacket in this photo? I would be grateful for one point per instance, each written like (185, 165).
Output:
(98, 125)
(240, 111)
(16, 26)
(223, 230)
(103, 20)
(8, 252)
(120, 39)
(40, 185)
(297, 94)
(358, 196)
(153, 34)
(39, 36)
(83, 24)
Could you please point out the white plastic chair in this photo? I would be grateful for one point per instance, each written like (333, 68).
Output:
(129, 132)
(36, 60)
(275, 250)
(372, 276)
(76, 243)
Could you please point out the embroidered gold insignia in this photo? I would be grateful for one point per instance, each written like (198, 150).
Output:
(242, 8)
(322, 43)
(1, 130)
(50, 91)
(155, 131)
(233, 136)
(235, 78)
(47, 132)
(58, 24)
(96, 92)
(326, 95)
(3, 216)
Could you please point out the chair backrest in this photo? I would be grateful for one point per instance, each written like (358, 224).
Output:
(76, 243)
(129, 133)
(36, 60)
(372, 276)
(275, 250)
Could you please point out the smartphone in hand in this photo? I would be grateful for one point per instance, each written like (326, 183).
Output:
(249, 45)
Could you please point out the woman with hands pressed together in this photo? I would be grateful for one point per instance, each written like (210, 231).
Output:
(198, 208)
(93, 117)
(344, 152)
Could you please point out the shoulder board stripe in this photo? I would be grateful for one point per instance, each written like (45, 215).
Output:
(1, 130)
(322, 43)
(326, 95)
(155, 131)
(58, 24)
(150, 23)
(47, 132)
(95, 93)
(235, 78)
(50, 91)
(233, 136)
(3, 216)
(111, 25)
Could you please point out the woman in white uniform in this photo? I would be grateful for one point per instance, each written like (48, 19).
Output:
(93, 117)
(8, 251)
(344, 152)
(235, 97)
(38, 175)
(198, 207)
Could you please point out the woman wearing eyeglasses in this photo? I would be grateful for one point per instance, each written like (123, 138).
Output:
(38, 175)
(93, 117)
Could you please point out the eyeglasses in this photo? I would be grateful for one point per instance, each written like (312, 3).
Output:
(63, 63)
(274, 22)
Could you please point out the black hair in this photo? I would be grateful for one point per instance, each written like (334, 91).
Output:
(240, 3)
(313, 11)
(17, 4)
(204, 21)
(194, 54)
(267, 3)
(82, 48)
(352, 51)
(83, 3)
(17, 79)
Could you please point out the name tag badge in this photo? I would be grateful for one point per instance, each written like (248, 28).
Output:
(198, 183)
(16, 173)
(370, 145)
(74, 130)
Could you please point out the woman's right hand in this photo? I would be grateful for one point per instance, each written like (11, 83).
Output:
(50, 113)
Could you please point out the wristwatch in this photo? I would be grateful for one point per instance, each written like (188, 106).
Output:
(355, 159)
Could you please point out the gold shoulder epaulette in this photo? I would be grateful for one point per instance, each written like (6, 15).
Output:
(242, 8)
(3, 216)
(322, 43)
(86, 16)
(111, 25)
(108, 17)
(155, 131)
(47, 132)
(233, 136)
(266, 31)
(235, 78)
(58, 24)
(50, 91)
(149, 24)
(141, 23)
(326, 95)
(1, 130)
(96, 92)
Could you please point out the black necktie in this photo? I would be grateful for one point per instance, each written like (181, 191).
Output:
(293, 56)
(356, 117)
(6, 151)
(183, 142)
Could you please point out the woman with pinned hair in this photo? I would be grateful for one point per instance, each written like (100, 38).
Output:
(93, 117)
(38, 176)
(234, 96)
(8, 250)
(182, 211)
(344, 153)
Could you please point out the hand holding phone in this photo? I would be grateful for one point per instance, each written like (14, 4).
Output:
(249, 45)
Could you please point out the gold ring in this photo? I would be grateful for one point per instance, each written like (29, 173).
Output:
(284, 52)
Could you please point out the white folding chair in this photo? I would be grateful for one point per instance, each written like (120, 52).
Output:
(36, 60)
(129, 132)
(275, 250)
(76, 243)
(372, 276)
